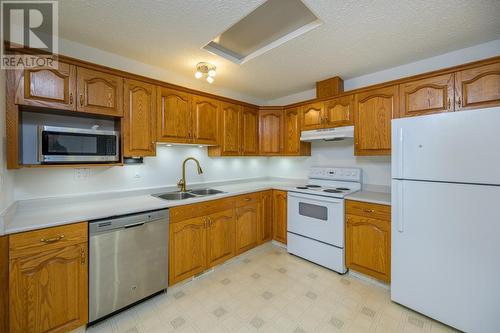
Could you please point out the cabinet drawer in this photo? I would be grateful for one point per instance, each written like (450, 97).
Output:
(247, 199)
(47, 239)
(366, 209)
(185, 212)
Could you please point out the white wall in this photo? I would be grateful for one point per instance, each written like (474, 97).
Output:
(162, 170)
(376, 169)
(6, 183)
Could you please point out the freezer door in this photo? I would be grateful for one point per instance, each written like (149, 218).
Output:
(459, 147)
(445, 252)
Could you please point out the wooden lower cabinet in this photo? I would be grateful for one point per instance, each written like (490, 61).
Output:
(280, 216)
(247, 224)
(48, 280)
(368, 239)
(220, 237)
(266, 217)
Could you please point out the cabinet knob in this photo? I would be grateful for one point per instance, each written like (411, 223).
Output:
(368, 210)
(70, 98)
(81, 99)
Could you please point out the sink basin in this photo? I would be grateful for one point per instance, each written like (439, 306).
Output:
(175, 195)
(205, 191)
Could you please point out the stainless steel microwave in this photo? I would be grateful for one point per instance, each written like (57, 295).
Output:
(76, 145)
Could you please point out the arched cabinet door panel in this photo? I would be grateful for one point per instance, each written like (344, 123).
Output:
(173, 116)
(339, 112)
(313, 116)
(478, 87)
(205, 112)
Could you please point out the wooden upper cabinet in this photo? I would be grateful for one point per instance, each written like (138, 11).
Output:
(220, 233)
(250, 131)
(205, 113)
(427, 96)
(139, 122)
(313, 116)
(173, 116)
(51, 88)
(339, 112)
(230, 143)
(373, 112)
(478, 87)
(291, 132)
(99, 92)
(247, 226)
(271, 132)
(280, 216)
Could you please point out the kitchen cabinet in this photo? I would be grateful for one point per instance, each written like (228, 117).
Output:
(339, 112)
(205, 112)
(99, 92)
(312, 116)
(139, 121)
(220, 237)
(247, 224)
(266, 217)
(280, 216)
(173, 116)
(291, 134)
(368, 239)
(373, 112)
(250, 131)
(188, 248)
(427, 96)
(48, 279)
(50, 88)
(271, 131)
(478, 87)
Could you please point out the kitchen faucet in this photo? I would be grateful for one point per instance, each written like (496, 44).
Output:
(182, 181)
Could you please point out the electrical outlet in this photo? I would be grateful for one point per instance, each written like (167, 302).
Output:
(82, 173)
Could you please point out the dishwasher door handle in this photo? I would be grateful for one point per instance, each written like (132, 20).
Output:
(133, 225)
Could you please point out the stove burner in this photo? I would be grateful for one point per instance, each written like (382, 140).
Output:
(342, 189)
(301, 188)
(332, 191)
(313, 186)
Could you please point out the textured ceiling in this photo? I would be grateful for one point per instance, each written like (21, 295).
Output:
(357, 37)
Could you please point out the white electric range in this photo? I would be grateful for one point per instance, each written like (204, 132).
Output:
(316, 215)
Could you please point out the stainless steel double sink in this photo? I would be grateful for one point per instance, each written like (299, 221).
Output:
(188, 194)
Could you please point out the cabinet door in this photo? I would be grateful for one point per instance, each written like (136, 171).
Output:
(271, 132)
(427, 96)
(312, 116)
(48, 290)
(266, 217)
(478, 87)
(247, 220)
(339, 112)
(173, 116)
(250, 131)
(188, 248)
(221, 231)
(368, 246)
(291, 134)
(139, 122)
(280, 216)
(49, 88)
(99, 93)
(230, 129)
(373, 112)
(205, 116)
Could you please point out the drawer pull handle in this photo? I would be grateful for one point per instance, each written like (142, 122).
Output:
(52, 240)
(248, 199)
(368, 210)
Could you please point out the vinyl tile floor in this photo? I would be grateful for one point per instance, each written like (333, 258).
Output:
(269, 290)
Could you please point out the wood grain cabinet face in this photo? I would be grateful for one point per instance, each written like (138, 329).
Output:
(373, 112)
(205, 113)
(427, 96)
(339, 112)
(230, 129)
(247, 224)
(478, 87)
(220, 232)
(313, 116)
(271, 132)
(291, 131)
(250, 131)
(139, 122)
(99, 92)
(49, 88)
(280, 216)
(266, 217)
(173, 116)
(188, 248)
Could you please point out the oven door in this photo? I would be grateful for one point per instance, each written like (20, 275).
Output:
(73, 145)
(317, 217)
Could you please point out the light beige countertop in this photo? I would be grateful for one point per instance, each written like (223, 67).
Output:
(35, 214)
(373, 194)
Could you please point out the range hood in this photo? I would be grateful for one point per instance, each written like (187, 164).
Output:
(328, 134)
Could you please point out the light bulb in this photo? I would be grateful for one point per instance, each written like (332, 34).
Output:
(210, 79)
(212, 72)
(198, 74)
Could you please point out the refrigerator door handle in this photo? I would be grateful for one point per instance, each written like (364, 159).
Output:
(400, 216)
(400, 154)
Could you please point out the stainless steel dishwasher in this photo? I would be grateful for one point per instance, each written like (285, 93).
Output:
(128, 260)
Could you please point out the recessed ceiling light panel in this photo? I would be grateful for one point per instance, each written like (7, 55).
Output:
(270, 25)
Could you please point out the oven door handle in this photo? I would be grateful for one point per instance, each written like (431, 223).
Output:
(313, 197)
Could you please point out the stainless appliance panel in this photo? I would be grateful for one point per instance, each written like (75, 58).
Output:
(128, 261)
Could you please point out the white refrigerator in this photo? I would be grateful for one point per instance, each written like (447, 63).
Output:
(446, 217)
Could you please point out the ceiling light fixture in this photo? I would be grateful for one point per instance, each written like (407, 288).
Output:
(205, 70)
